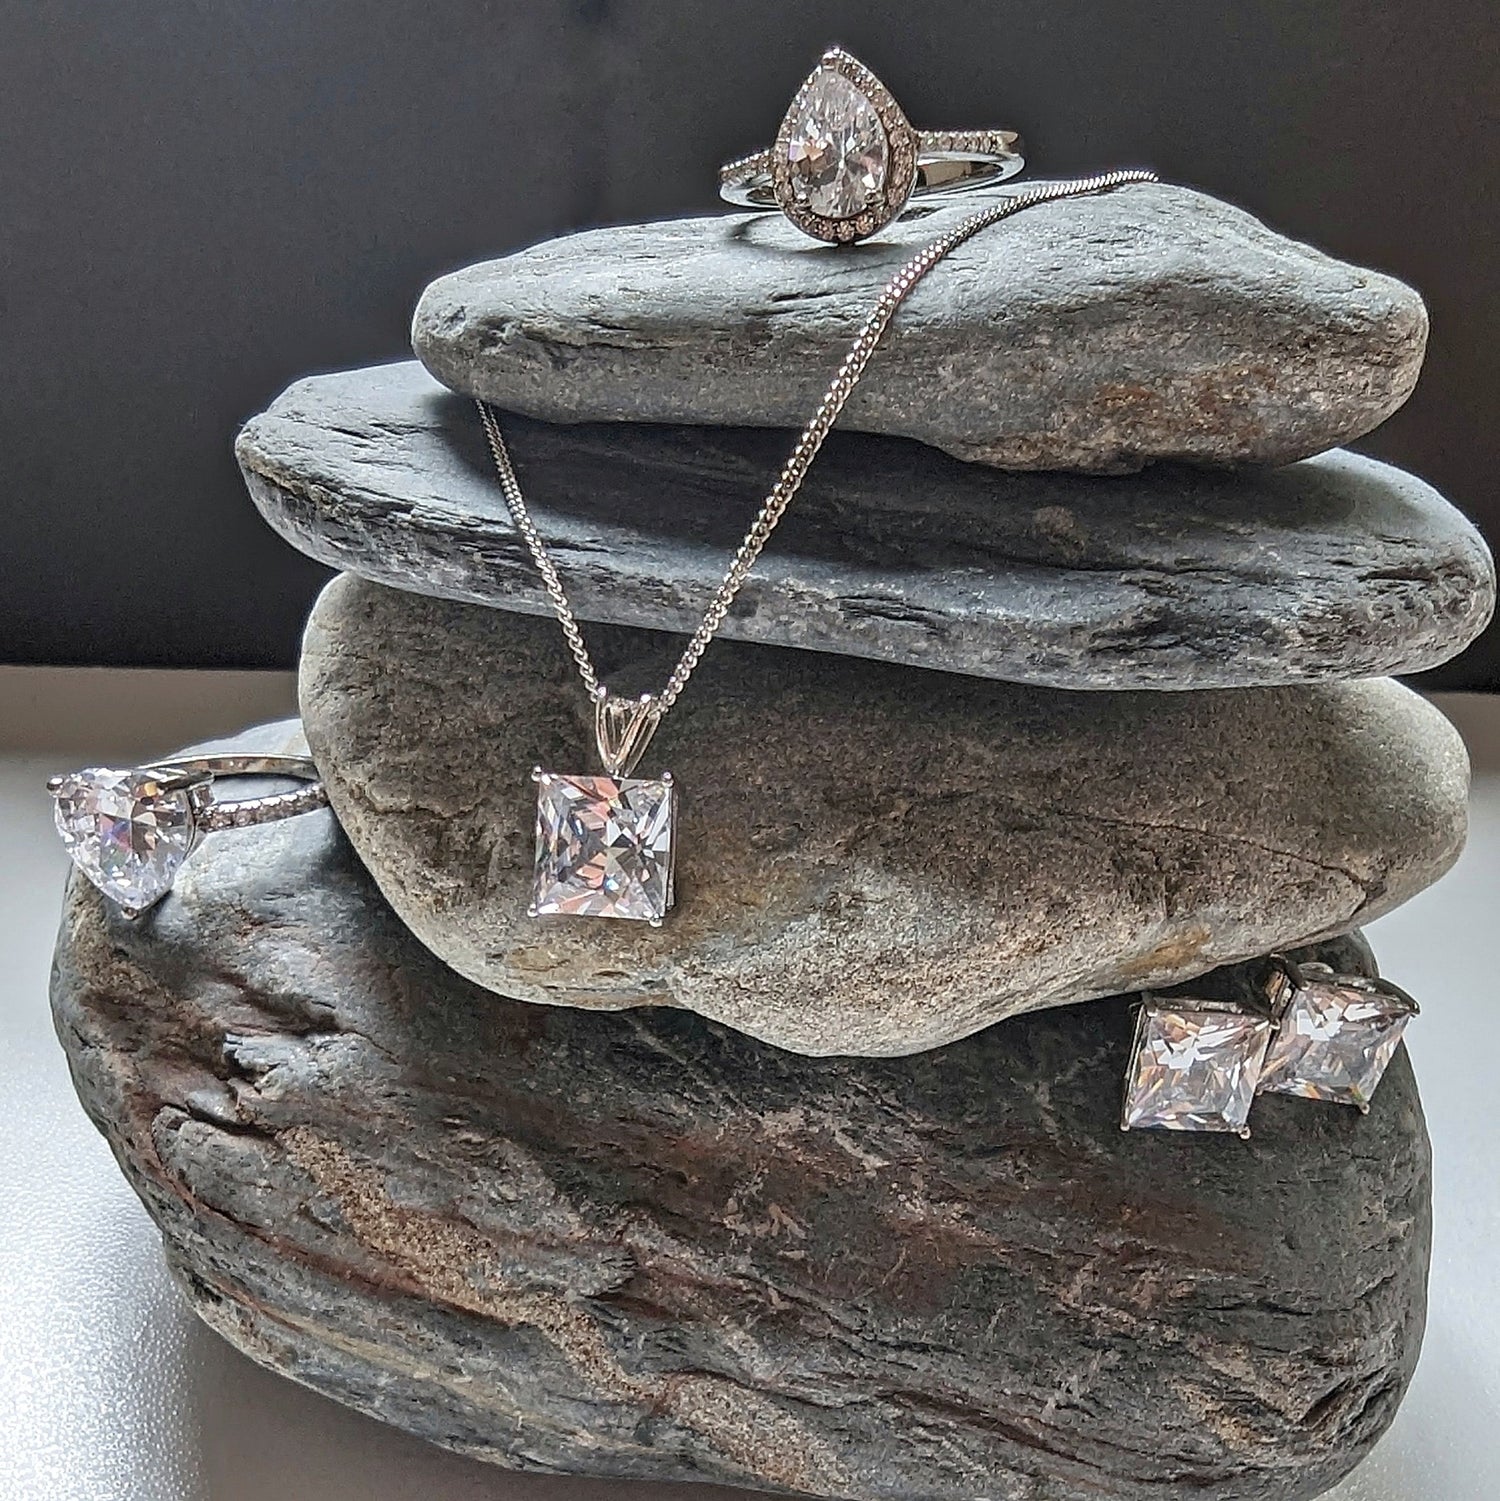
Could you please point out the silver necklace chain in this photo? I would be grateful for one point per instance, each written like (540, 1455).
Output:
(804, 451)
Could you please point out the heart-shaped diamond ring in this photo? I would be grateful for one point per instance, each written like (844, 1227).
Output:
(846, 159)
(130, 831)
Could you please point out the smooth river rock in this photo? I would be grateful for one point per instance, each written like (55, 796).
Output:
(644, 1245)
(1096, 333)
(871, 859)
(1337, 567)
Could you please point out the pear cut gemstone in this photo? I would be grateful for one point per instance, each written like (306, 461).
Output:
(1337, 1035)
(126, 832)
(604, 847)
(837, 148)
(1194, 1067)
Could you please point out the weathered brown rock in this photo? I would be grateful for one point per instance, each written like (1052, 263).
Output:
(645, 1245)
(872, 859)
(1094, 333)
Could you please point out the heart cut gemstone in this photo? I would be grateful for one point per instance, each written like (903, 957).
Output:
(837, 149)
(1337, 1035)
(126, 832)
(1194, 1067)
(604, 847)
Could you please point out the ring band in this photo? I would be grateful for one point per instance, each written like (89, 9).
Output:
(240, 813)
(129, 831)
(847, 161)
(948, 161)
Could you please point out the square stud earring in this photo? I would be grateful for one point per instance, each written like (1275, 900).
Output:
(1194, 1065)
(1335, 1034)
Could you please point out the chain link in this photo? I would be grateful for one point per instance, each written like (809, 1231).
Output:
(804, 451)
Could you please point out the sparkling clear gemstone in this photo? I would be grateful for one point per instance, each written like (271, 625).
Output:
(603, 847)
(125, 832)
(1335, 1041)
(837, 150)
(1194, 1069)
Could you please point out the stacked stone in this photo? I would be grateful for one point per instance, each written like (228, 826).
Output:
(1018, 715)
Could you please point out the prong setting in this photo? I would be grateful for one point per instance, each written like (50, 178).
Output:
(605, 847)
(1337, 1034)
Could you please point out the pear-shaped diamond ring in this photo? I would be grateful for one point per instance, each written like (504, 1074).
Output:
(846, 160)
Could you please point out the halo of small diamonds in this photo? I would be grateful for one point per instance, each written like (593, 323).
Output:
(889, 189)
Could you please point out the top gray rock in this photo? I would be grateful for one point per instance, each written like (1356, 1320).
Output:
(1094, 333)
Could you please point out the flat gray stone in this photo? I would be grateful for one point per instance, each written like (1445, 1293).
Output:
(646, 1246)
(1097, 333)
(872, 859)
(1337, 567)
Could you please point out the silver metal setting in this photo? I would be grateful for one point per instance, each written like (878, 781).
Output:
(190, 782)
(623, 727)
(920, 163)
(1298, 976)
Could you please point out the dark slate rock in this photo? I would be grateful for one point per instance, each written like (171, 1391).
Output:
(1338, 567)
(1096, 333)
(643, 1245)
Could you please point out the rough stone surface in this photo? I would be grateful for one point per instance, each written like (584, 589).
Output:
(871, 859)
(1336, 567)
(1097, 333)
(645, 1245)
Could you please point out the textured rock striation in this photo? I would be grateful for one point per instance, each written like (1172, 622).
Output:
(1337, 567)
(872, 859)
(645, 1245)
(1094, 333)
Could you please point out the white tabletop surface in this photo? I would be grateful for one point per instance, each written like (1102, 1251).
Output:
(111, 1391)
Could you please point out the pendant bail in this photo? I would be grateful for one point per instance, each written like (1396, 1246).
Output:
(623, 728)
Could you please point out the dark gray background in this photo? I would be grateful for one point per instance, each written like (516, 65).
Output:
(201, 201)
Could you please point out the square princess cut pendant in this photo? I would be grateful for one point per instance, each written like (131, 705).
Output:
(604, 846)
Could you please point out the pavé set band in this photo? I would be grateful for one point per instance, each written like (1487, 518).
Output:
(845, 163)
